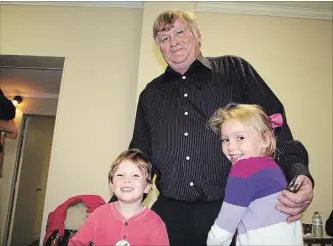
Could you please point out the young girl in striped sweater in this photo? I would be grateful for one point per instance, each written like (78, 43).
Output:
(254, 183)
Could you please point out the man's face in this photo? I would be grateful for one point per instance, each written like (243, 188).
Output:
(179, 46)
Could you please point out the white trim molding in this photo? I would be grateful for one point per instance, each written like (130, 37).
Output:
(261, 9)
(35, 238)
(202, 6)
(111, 4)
(31, 95)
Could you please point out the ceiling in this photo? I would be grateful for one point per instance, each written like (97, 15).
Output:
(31, 76)
(30, 82)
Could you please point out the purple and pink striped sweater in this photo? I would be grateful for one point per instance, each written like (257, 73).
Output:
(249, 207)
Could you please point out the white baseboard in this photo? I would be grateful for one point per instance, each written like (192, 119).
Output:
(35, 238)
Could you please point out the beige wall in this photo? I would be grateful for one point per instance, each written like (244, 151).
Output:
(97, 96)
(103, 76)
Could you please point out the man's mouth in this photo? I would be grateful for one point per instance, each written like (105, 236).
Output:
(175, 51)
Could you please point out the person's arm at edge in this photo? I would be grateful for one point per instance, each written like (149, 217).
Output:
(329, 225)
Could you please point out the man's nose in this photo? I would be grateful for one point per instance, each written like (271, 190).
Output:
(173, 41)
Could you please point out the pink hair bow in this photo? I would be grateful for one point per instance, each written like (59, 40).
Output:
(276, 120)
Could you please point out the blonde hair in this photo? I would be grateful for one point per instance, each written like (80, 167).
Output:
(138, 158)
(166, 19)
(251, 114)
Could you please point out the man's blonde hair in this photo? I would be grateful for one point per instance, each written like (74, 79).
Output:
(166, 19)
(250, 114)
(138, 158)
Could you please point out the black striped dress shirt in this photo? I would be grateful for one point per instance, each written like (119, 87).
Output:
(171, 127)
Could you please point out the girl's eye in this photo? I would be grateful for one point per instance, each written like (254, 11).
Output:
(240, 138)
(225, 140)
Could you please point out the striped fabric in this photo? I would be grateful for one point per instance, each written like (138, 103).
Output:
(171, 126)
(249, 207)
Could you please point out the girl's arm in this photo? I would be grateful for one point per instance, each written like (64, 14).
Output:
(237, 198)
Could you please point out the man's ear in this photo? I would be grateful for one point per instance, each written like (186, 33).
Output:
(199, 35)
(199, 38)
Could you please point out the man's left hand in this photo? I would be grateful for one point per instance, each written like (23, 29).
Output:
(293, 204)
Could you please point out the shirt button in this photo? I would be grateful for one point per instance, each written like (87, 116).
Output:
(185, 95)
(124, 236)
(184, 77)
(185, 134)
(191, 184)
(186, 113)
(126, 224)
(187, 158)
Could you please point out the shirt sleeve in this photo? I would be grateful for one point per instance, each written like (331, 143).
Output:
(141, 134)
(292, 156)
(329, 225)
(85, 234)
(238, 196)
(161, 236)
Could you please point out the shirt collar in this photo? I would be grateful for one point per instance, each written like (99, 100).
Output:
(200, 62)
(204, 61)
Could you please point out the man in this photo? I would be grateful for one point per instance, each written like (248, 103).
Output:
(329, 225)
(7, 124)
(7, 115)
(170, 127)
(7, 108)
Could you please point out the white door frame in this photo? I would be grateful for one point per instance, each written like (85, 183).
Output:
(17, 171)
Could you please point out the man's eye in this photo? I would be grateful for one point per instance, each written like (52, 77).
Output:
(163, 40)
(180, 32)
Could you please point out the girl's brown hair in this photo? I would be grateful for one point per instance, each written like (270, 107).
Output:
(138, 158)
